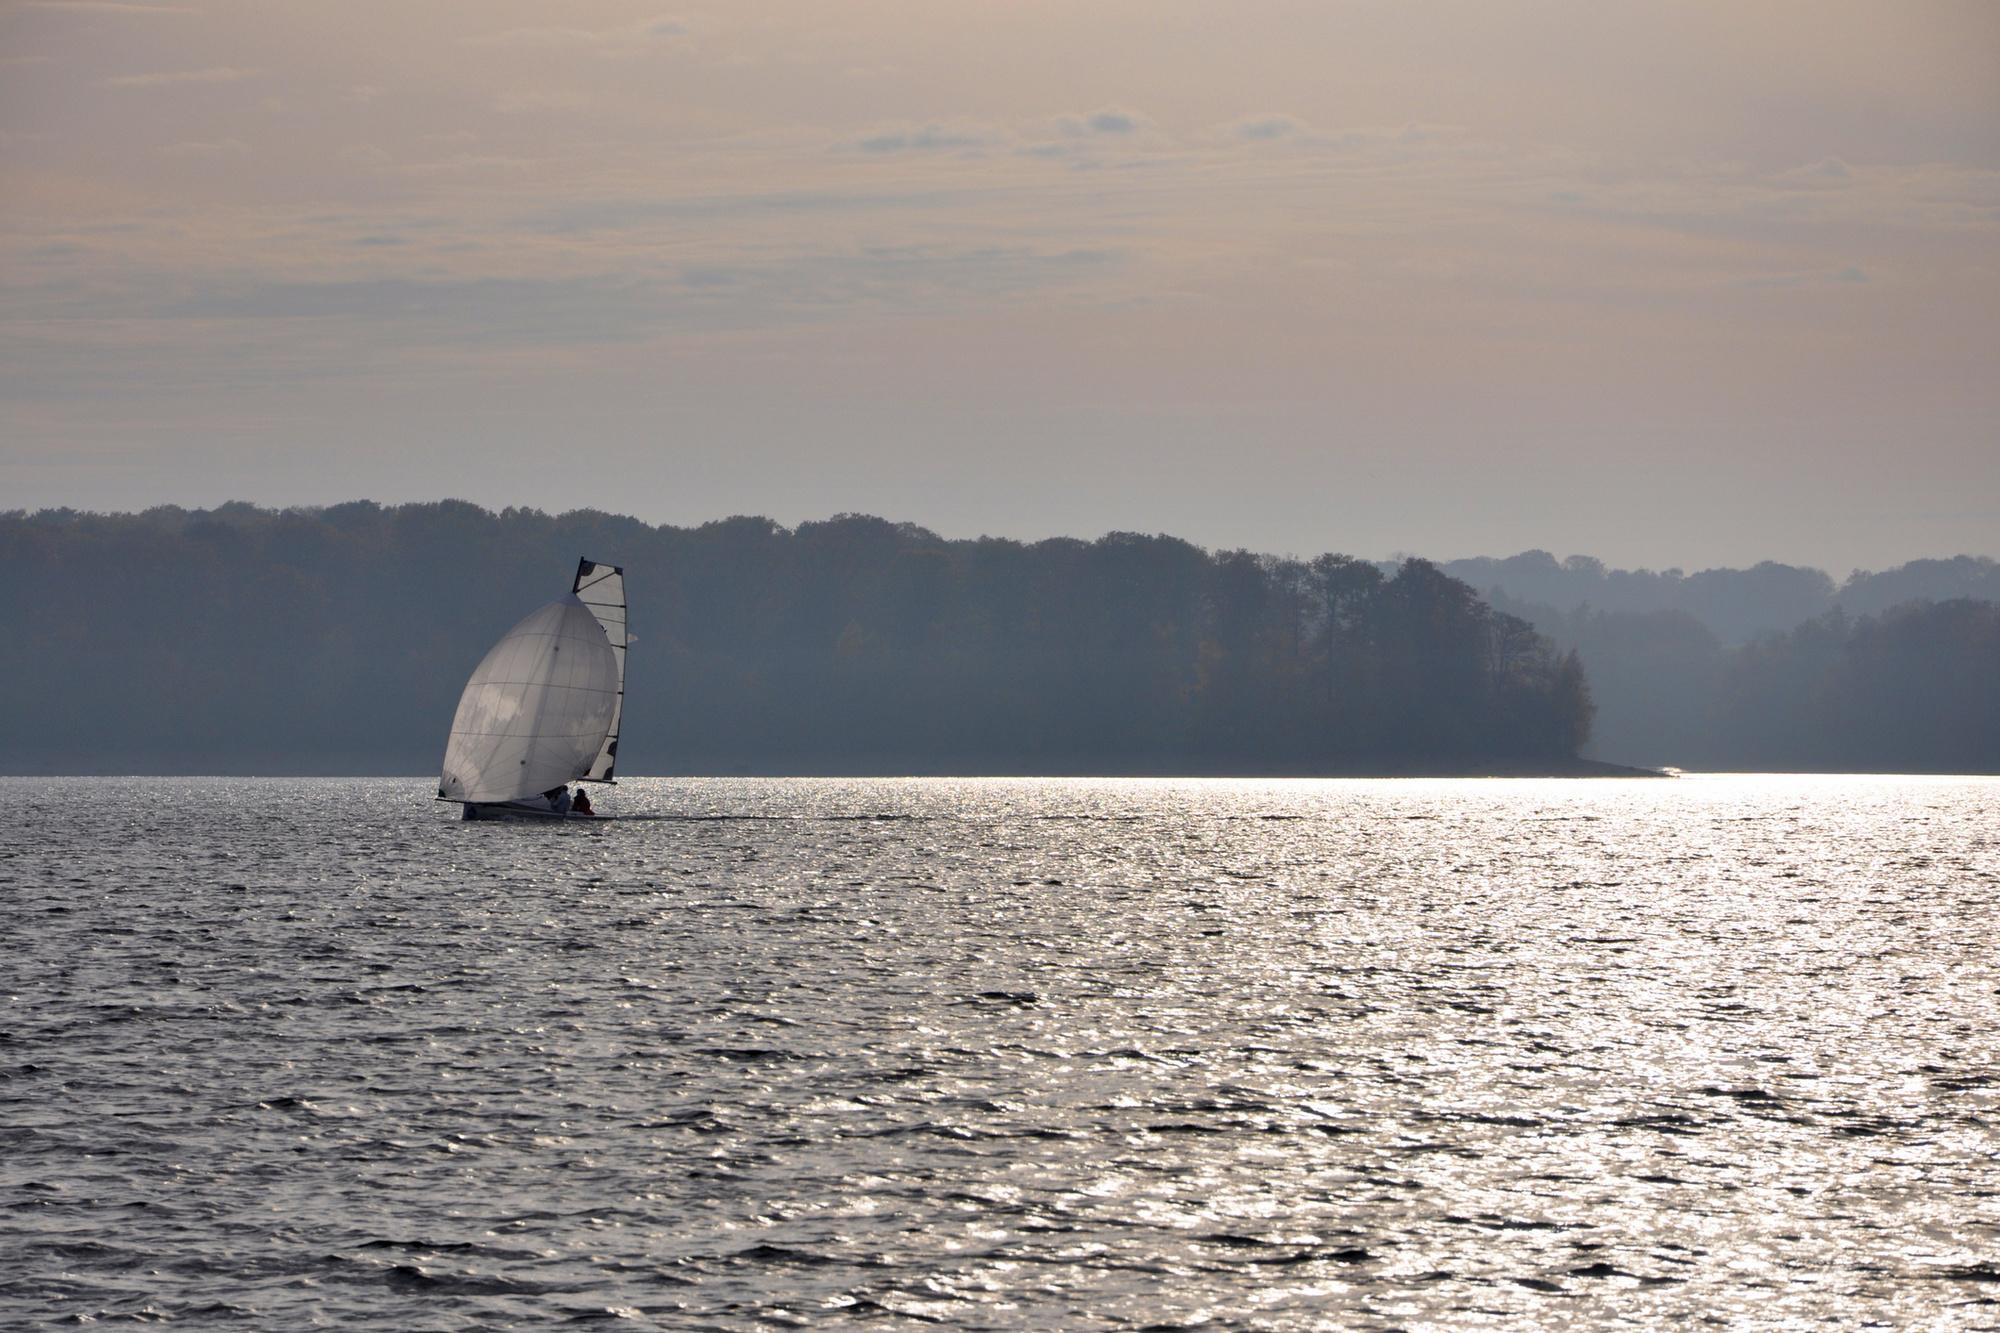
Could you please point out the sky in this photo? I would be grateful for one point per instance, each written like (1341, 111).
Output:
(1680, 284)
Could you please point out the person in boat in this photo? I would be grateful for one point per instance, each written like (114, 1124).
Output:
(558, 799)
(580, 804)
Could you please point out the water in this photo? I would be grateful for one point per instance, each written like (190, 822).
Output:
(1004, 1054)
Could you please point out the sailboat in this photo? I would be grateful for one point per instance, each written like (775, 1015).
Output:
(543, 707)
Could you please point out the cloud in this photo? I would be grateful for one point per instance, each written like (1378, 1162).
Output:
(1840, 277)
(197, 149)
(1790, 205)
(1414, 138)
(924, 139)
(604, 40)
(459, 164)
(1079, 135)
(620, 214)
(1270, 126)
(1827, 173)
(368, 156)
(538, 37)
(108, 7)
(603, 308)
(438, 311)
(1106, 120)
(898, 279)
(181, 78)
(535, 101)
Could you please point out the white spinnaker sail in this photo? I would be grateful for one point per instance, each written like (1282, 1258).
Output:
(537, 710)
(602, 589)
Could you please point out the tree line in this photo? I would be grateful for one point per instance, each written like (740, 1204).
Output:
(336, 640)
(1736, 605)
(1914, 688)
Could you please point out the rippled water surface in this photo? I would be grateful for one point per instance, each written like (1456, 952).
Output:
(1004, 1054)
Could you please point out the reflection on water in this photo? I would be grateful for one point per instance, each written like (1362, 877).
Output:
(1009, 1054)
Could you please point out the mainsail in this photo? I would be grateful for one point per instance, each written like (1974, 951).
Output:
(602, 589)
(540, 710)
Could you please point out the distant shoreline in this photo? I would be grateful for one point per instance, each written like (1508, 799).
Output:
(1580, 768)
(1569, 768)
(1575, 768)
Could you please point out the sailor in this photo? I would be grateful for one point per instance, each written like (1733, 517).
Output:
(580, 804)
(558, 799)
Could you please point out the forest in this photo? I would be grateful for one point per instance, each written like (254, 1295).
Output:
(1775, 666)
(1735, 604)
(335, 640)
(1915, 688)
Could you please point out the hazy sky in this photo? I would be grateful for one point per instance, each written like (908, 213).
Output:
(1679, 283)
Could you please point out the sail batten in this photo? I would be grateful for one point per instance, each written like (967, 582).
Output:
(601, 589)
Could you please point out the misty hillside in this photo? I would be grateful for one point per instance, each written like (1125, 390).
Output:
(1914, 688)
(1776, 666)
(1735, 605)
(242, 639)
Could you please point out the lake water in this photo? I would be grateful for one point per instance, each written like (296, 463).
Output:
(1004, 1054)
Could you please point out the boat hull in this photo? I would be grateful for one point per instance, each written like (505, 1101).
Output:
(523, 811)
